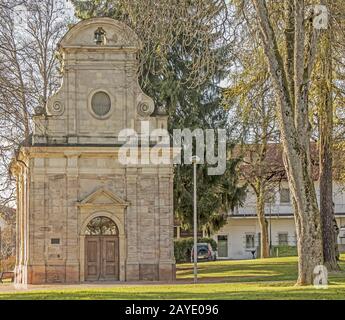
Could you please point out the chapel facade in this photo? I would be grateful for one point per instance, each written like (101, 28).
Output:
(82, 215)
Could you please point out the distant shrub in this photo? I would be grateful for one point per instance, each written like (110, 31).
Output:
(183, 247)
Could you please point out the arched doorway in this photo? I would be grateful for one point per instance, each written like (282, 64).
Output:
(101, 250)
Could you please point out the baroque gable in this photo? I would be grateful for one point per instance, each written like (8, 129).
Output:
(100, 94)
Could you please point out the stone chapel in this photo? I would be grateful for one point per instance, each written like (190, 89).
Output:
(81, 214)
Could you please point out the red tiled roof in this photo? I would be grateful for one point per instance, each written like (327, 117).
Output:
(273, 166)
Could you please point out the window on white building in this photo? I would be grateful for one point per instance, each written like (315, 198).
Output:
(283, 239)
(284, 195)
(235, 210)
(222, 246)
(250, 240)
(270, 196)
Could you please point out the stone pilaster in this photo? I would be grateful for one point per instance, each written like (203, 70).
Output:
(166, 226)
(133, 241)
(72, 232)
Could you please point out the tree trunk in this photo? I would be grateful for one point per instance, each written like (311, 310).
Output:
(289, 43)
(329, 224)
(295, 134)
(307, 216)
(260, 210)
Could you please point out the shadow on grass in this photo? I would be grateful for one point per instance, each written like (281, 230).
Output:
(242, 272)
(248, 271)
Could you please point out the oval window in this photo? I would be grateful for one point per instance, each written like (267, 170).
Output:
(101, 104)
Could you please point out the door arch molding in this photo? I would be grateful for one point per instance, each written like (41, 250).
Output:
(111, 216)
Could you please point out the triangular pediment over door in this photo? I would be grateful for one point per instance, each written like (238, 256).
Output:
(103, 197)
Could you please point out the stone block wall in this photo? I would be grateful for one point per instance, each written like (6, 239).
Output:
(60, 180)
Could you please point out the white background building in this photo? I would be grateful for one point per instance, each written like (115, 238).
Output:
(240, 237)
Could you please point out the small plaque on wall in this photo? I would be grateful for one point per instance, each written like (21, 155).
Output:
(55, 241)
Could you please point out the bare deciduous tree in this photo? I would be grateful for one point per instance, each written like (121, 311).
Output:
(28, 72)
(192, 27)
(327, 90)
(302, 67)
(292, 100)
(253, 109)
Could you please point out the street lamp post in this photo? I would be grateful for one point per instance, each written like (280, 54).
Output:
(195, 161)
(270, 229)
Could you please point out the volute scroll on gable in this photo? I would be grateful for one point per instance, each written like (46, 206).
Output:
(55, 105)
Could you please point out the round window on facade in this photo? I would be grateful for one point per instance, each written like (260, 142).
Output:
(101, 104)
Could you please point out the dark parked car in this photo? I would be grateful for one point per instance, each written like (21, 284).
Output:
(205, 252)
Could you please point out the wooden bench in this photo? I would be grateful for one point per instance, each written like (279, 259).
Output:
(6, 275)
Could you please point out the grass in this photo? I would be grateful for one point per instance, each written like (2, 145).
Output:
(272, 278)
(273, 269)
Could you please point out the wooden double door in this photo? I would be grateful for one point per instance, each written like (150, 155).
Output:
(101, 258)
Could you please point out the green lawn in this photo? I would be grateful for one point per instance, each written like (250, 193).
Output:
(272, 278)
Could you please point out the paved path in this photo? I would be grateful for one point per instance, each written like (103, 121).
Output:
(10, 287)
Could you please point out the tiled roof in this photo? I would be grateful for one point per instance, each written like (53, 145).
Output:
(273, 166)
